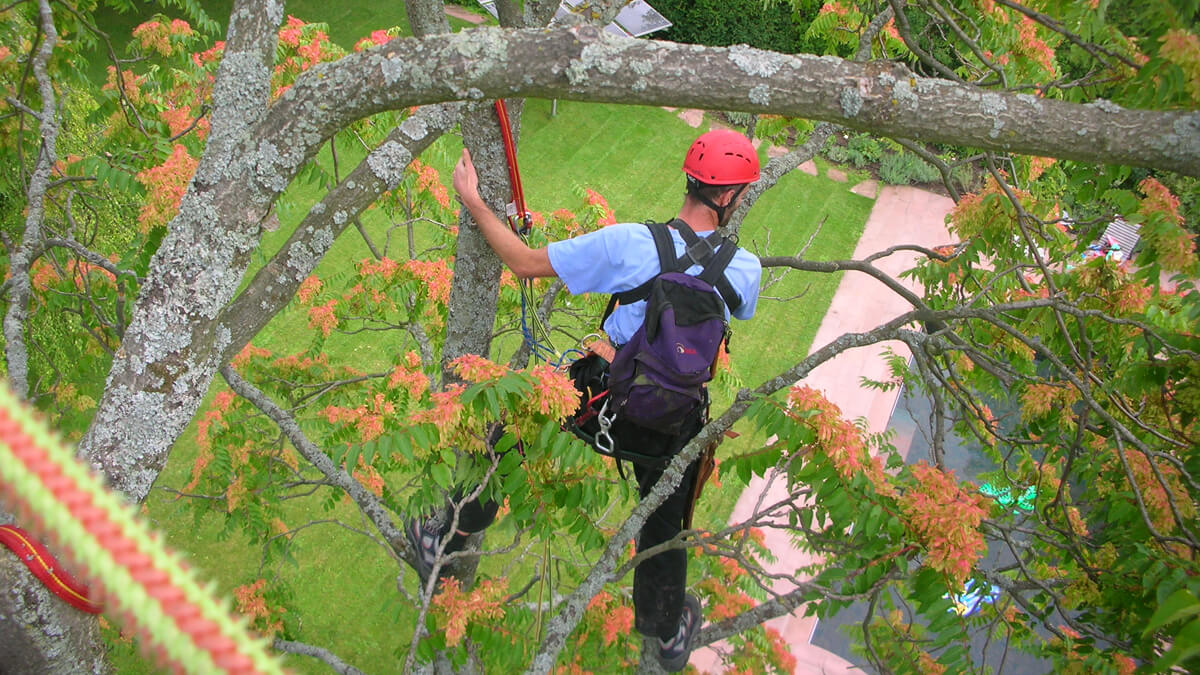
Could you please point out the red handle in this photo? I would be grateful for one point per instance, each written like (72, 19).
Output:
(523, 219)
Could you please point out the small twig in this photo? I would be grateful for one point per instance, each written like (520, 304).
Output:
(320, 653)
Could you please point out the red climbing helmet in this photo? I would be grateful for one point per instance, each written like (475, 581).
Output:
(722, 157)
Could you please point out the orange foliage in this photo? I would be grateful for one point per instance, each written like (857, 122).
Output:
(1175, 245)
(165, 187)
(475, 368)
(456, 609)
(323, 317)
(410, 377)
(553, 391)
(1183, 49)
(445, 411)
(437, 277)
(597, 200)
(838, 438)
(252, 604)
(945, 518)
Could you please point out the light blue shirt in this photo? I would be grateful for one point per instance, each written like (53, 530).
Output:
(622, 256)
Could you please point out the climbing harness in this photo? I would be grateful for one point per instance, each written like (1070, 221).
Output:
(144, 586)
(47, 569)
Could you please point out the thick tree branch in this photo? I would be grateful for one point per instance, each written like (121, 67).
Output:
(274, 285)
(16, 355)
(584, 63)
(475, 289)
(173, 345)
(320, 653)
(426, 17)
(863, 266)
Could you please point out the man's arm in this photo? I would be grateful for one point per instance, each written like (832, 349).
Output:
(525, 262)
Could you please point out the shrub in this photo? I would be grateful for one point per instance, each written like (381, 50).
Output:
(863, 149)
(721, 23)
(738, 118)
(836, 152)
(905, 168)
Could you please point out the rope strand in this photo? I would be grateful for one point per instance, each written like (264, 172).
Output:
(144, 585)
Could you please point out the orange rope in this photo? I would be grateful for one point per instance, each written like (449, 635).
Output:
(142, 584)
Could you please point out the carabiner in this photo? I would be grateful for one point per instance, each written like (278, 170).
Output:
(604, 440)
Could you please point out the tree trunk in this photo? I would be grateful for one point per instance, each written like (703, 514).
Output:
(40, 633)
(475, 289)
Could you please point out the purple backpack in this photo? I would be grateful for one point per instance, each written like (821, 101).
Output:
(658, 377)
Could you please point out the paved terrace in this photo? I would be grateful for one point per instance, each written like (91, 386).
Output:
(900, 215)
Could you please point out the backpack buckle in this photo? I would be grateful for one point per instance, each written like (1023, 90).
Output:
(700, 251)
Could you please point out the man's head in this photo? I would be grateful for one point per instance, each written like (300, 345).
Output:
(719, 166)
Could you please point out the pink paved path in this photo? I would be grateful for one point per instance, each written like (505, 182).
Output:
(900, 215)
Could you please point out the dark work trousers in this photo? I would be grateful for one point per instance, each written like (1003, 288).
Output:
(659, 582)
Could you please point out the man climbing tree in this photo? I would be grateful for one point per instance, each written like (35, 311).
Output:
(620, 259)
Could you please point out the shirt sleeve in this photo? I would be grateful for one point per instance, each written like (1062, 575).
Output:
(603, 261)
(745, 275)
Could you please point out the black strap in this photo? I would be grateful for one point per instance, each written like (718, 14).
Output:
(713, 252)
(666, 263)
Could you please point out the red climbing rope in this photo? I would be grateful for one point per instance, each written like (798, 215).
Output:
(47, 569)
(519, 218)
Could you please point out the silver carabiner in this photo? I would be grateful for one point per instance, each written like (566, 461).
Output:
(604, 440)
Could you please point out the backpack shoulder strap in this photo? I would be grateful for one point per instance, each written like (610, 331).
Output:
(714, 252)
(714, 274)
(666, 263)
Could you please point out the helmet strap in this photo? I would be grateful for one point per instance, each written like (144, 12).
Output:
(695, 188)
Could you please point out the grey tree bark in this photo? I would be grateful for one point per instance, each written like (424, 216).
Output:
(15, 353)
(40, 633)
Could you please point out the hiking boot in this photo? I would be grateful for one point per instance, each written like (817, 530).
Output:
(673, 654)
(425, 536)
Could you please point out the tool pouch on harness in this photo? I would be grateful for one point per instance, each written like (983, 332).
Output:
(590, 375)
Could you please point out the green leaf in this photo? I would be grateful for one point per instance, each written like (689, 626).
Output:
(420, 436)
(509, 462)
(442, 475)
(1185, 646)
(369, 449)
(574, 496)
(404, 447)
(1180, 605)
(470, 393)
